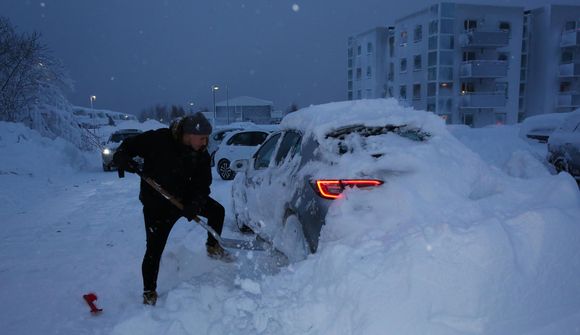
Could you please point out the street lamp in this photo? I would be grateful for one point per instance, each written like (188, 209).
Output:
(92, 98)
(191, 107)
(213, 89)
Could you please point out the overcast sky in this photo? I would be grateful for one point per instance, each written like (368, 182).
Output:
(133, 54)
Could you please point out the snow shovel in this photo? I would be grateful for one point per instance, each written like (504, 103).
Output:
(255, 244)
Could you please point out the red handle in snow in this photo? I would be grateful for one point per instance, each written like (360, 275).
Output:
(90, 299)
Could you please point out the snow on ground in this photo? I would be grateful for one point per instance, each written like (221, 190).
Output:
(503, 259)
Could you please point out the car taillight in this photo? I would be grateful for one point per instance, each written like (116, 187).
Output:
(332, 189)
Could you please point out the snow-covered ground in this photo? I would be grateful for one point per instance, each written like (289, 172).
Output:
(504, 260)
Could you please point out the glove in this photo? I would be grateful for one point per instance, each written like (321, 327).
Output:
(124, 162)
(193, 208)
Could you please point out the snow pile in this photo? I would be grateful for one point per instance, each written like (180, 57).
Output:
(501, 147)
(453, 246)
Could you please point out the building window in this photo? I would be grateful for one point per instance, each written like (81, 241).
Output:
(470, 25)
(433, 27)
(417, 63)
(446, 42)
(358, 94)
(418, 33)
(369, 47)
(504, 26)
(349, 74)
(524, 60)
(369, 72)
(350, 85)
(404, 65)
(446, 58)
(350, 63)
(432, 73)
(358, 73)
(525, 46)
(565, 86)
(358, 50)
(391, 74)
(446, 73)
(433, 42)
(417, 92)
(391, 46)
(447, 26)
(503, 56)
(468, 119)
(349, 52)
(432, 59)
(431, 89)
(567, 57)
(468, 56)
(403, 92)
(403, 38)
(349, 95)
(570, 25)
(467, 88)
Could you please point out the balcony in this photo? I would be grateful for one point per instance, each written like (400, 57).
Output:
(484, 69)
(484, 39)
(570, 70)
(482, 100)
(570, 38)
(569, 99)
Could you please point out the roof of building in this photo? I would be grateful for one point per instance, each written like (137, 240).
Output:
(244, 101)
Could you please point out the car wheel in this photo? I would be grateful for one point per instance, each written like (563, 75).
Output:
(224, 170)
(290, 240)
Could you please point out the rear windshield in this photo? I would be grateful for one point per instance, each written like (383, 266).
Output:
(367, 134)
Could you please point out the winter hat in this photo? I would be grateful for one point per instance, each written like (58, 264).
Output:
(196, 124)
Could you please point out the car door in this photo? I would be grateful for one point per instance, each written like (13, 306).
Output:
(255, 176)
(277, 183)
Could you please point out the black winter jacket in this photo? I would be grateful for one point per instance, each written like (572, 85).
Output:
(180, 170)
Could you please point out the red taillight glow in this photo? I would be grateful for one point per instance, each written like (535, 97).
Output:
(332, 189)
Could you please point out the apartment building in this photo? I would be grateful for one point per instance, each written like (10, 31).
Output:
(474, 64)
(553, 73)
(367, 59)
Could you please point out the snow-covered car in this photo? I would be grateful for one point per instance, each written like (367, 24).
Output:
(564, 146)
(237, 145)
(540, 127)
(284, 192)
(113, 143)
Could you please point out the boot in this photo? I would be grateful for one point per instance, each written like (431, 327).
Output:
(149, 298)
(217, 252)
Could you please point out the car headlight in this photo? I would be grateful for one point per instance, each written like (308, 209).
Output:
(106, 151)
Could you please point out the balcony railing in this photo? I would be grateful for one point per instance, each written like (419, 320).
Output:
(570, 38)
(570, 70)
(569, 99)
(484, 39)
(483, 99)
(484, 69)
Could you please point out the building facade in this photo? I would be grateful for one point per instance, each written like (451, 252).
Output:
(554, 60)
(367, 58)
(477, 64)
(242, 109)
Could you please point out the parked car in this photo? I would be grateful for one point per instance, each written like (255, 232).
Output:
(540, 127)
(285, 190)
(564, 146)
(237, 145)
(113, 143)
(216, 138)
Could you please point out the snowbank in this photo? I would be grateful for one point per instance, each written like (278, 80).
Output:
(455, 247)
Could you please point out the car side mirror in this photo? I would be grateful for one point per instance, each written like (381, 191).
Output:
(240, 165)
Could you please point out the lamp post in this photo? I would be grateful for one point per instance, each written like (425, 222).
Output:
(191, 107)
(92, 98)
(213, 89)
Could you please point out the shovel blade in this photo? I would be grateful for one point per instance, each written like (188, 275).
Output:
(255, 244)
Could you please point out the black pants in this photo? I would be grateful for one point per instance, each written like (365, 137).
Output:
(158, 224)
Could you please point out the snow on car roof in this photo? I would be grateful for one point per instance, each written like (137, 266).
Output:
(319, 120)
